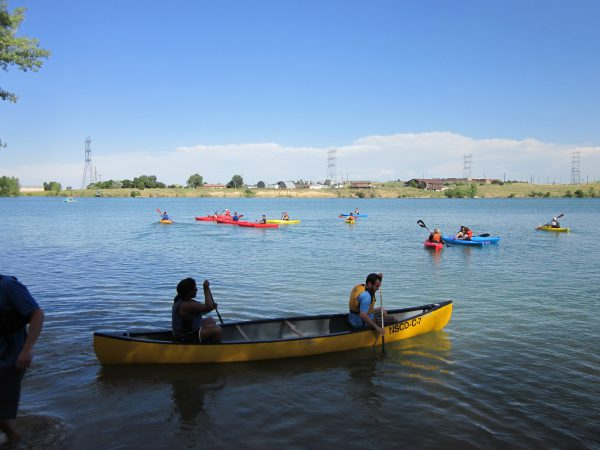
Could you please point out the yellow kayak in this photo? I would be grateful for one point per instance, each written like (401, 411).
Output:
(166, 221)
(549, 228)
(282, 222)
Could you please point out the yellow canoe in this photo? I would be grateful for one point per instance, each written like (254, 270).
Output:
(166, 221)
(268, 339)
(282, 222)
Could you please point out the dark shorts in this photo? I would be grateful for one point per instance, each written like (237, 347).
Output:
(189, 337)
(10, 392)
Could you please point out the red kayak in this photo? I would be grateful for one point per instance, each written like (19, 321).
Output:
(433, 245)
(227, 221)
(206, 218)
(258, 225)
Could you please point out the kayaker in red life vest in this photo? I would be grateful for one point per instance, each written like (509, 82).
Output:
(467, 234)
(227, 213)
(436, 236)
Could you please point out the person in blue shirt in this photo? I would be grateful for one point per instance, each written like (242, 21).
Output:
(165, 216)
(235, 217)
(17, 309)
(362, 304)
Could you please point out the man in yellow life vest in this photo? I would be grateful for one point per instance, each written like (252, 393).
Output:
(362, 304)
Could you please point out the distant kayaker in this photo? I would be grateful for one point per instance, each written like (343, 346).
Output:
(461, 232)
(235, 217)
(227, 213)
(356, 211)
(165, 216)
(186, 314)
(362, 304)
(263, 220)
(285, 216)
(554, 223)
(436, 236)
(350, 218)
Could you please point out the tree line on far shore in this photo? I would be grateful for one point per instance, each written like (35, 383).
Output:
(10, 186)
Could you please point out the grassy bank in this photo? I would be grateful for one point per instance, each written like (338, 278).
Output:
(383, 190)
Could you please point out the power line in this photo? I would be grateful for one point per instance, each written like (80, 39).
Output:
(331, 163)
(88, 175)
(575, 172)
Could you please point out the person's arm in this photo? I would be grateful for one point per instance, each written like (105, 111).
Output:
(208, 297)
(365, 317)
(364, 304)
(35, 328)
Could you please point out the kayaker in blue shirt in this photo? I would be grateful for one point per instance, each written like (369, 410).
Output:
(235, 217)
(165, 216)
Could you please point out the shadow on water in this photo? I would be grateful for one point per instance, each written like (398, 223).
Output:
(197, 391)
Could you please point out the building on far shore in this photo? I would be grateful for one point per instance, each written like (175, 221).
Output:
(214, 186)
(361, 185)
(32, 189)
(439, 184)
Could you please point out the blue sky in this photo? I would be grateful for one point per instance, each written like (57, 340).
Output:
(264, 88)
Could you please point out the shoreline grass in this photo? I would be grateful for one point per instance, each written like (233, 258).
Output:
(382, 190)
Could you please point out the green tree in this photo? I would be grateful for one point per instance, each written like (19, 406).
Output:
(22, 52)
(146, 181)
(52, 186)
(9, 186)
(195, 181)
(236, 182)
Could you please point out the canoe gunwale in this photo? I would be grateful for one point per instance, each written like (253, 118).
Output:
(132, 336)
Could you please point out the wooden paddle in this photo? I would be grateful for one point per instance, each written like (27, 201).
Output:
(558, 217)
(205, 285)
(382, 321)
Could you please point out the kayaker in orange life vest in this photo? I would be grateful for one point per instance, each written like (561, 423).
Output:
(436, 236)
(363, 313)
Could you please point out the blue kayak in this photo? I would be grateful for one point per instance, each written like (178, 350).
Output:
(355, 215)
(452, 241)
(486, 240)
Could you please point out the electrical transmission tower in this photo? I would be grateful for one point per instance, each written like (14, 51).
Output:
(467, 166)
(88, 175)
(575, 173)
(331, 161)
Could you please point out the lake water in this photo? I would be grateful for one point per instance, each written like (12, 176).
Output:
(517, 366)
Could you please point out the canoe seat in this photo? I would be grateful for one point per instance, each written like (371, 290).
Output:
(293, 328)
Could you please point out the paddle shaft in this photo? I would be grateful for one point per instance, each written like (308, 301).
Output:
(218, 314)
(382, 321)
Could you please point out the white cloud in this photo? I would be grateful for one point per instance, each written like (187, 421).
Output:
(377, 158)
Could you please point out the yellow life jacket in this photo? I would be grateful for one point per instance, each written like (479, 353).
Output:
(353, 302)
